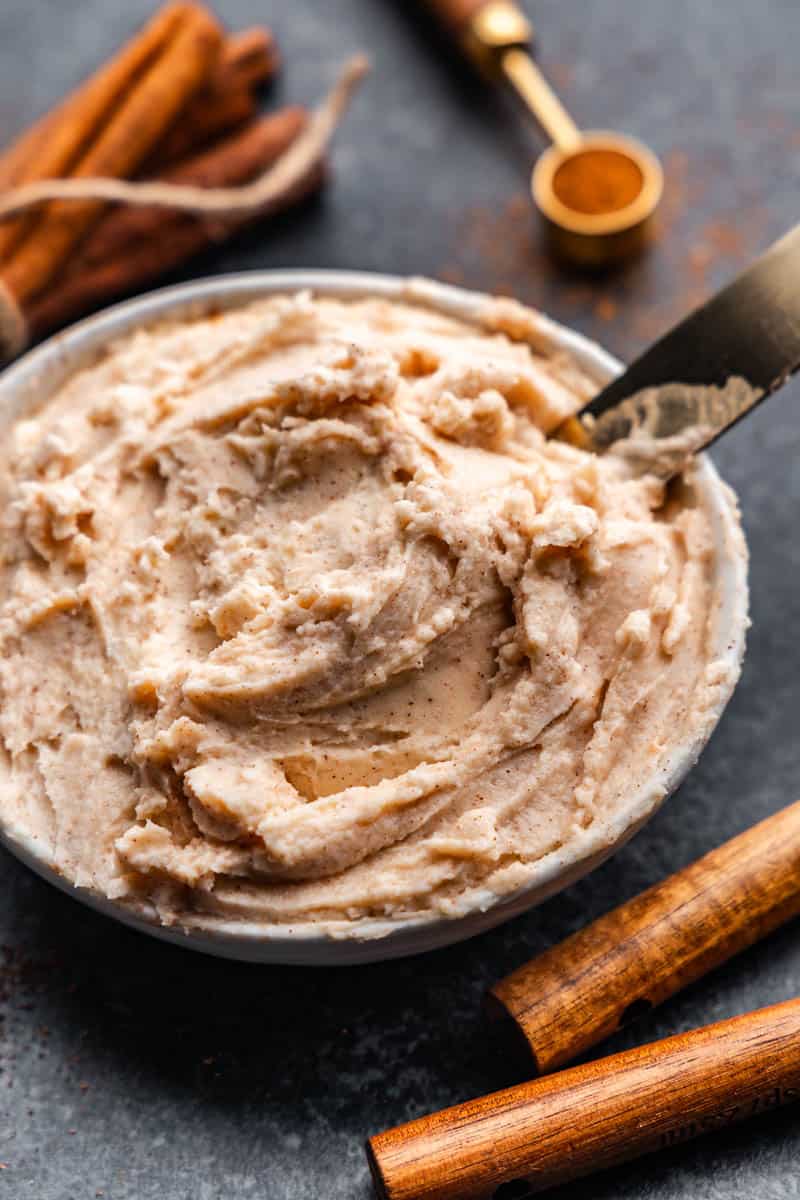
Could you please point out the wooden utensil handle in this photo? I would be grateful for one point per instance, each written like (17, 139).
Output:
(580, 991)
(551, 1130)
(484, 28)
(456, 15)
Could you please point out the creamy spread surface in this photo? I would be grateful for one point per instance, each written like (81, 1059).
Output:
(303, 620)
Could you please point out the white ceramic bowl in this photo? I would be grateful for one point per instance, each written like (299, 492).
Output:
(371, 940)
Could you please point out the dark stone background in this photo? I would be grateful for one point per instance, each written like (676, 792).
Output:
(136, 1071)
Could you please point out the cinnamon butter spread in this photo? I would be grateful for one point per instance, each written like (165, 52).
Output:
(304, 621)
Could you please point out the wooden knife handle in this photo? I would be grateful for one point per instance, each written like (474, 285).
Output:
(583, 989)
(551, 1130)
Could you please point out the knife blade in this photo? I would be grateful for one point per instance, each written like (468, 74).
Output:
(707, 372)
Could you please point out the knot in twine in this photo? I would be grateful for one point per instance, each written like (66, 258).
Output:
(249, 200)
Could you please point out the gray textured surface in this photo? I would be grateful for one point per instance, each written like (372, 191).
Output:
(135, 1071)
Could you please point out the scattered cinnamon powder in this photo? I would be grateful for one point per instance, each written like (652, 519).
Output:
(707, 234)
(598, 180)
(605, 308)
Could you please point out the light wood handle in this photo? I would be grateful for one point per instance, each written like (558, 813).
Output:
(457, 15)
(580, 991)
(551, 1130)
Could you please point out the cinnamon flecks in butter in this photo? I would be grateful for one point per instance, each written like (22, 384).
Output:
(303, 621)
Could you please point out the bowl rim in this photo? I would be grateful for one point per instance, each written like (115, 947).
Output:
(370, 939)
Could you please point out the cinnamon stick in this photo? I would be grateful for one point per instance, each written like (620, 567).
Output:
(187, 55)
(15, 158)
(581, 990)
(236, 159)
(52, 146)
(561, 1127)
(254, 173)
(221, 203)
(201, 125)
(250, 57)
(248, 60)
(133, 246)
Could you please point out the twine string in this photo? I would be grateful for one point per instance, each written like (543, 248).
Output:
(246, 200)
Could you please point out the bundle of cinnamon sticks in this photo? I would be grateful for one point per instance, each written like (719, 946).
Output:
(177, 103)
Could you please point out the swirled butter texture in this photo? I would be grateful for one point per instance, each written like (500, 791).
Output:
(303, 620)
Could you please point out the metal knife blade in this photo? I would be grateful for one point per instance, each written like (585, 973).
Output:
(710, 369)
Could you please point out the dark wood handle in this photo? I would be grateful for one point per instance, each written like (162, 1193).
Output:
(580, 991)
(456, 15)
(551, 1130)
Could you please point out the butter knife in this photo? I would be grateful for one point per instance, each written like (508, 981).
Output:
(707, 373)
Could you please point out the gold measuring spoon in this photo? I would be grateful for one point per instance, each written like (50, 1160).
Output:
(596, 191)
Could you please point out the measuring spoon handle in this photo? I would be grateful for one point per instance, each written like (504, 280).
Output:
(498, 35)
(583, 989)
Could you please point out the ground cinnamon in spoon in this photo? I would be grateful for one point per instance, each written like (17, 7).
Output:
(595, 181)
